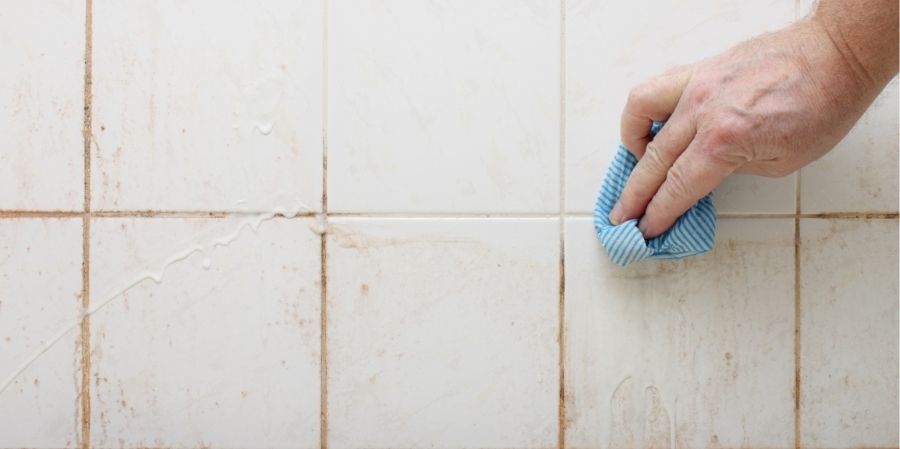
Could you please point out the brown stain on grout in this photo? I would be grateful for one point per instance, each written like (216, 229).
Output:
(176, 214)
(797, 307)
(150, 213)
(40, 214)
(86, 229)
(323, 255)
(561, 323)
(323, 346)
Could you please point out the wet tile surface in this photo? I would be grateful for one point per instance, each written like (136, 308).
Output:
(460, 100)
(224, 356)
(194, 114)
(40, 281)
(442, 333)
(849, 291)
(693, 353)
(601, 70)
(41, 99)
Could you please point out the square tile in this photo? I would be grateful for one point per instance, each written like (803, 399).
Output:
(690, 353)
(41, 100)
(40, 281)
(848, 333)
(860, 174)
(444, 106)
(206, 105)
(612, 46)
(222, 356)
(442, 333)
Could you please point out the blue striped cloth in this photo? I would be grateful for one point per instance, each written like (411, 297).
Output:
(693, 233)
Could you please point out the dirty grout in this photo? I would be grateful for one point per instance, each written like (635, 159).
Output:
(323, 241)
(150, 213)
(86, 229)
(797, 305)
(561, 323)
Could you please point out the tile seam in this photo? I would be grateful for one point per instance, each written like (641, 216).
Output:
(797, 304)
(323, 248)
(22, 213)
(561, 319)
(86, 228)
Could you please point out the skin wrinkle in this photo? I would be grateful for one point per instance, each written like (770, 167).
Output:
(767, 106)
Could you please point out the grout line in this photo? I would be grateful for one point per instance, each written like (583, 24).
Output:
(86, 229)
(180, 214)
(39, 214)
(797, 382)
(412, 215)
(561, 337)
(323, 255)
(323, 342)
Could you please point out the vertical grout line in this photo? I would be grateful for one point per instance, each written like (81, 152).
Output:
(86, 231)
(323, 347)
(561, 337)
(797, 304)
(323, 246)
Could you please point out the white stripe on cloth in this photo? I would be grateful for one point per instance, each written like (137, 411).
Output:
(693, 233)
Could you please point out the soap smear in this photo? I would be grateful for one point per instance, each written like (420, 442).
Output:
(219, 236)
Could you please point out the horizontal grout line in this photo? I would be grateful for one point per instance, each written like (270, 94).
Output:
(444, 214)
(175, 213)
(39, 214)
(224, 214)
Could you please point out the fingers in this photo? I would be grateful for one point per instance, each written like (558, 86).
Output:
(691, 177)
(654, 100)
(650, 171)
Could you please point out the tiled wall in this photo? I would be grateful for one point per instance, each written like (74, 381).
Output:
(365, 224)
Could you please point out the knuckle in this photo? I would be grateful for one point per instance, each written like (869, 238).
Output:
(721, 133)
(678, 182)
(640, 95)
(699, 92)
(775, 170)
(655, 157)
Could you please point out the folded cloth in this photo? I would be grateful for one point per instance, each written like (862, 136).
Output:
(693, 233)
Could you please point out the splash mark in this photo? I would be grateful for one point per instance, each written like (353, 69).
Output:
(264, 128)
(212, 241)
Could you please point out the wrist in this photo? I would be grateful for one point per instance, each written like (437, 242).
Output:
(869, 58)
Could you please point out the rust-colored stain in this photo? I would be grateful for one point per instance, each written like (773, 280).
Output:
(797, 306)
(323, 341)
(364, 289)
(86, 230)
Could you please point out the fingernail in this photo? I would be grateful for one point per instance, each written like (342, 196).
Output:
(644, 228)
(616, 216)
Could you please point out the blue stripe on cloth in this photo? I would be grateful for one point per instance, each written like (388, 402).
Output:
(693, 233)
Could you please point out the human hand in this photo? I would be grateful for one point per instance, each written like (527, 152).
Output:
(767, 106)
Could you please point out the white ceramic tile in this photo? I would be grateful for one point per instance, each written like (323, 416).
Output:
(443, 333)
(40, 281)
(860, 173)
(226, 356)
(849, 333)
(612, 46)
(203, 105)
(692, 353)
(41, 98)
(444, 106)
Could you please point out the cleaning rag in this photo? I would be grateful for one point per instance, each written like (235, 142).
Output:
(693, 233)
